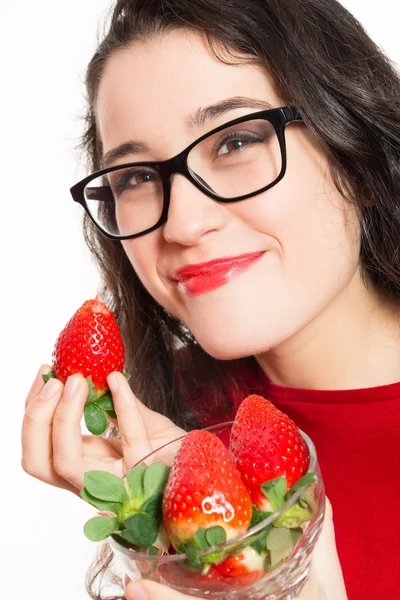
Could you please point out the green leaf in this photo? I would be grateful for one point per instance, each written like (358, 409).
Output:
(260, 543)
(152, 551)
(112, 414)
(142, 529)
(99, 528)
(294, 516)
(296, 534)
(134, 478)
(275, 491)
(105, 402)
(95, 419)
(47, 376)
(192, 553)
(105, 486)
(113, 507)
(127, 376)
(215, 535)
(199, 539)
(204, 538)
(155, 479)
(92, 395)
(258, 516)
(307, 479)
(153, 506)
(129, 537)
(308, 500)
(280, 544)
(125, 543)
(211, 558)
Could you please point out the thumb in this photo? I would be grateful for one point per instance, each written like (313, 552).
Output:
(149, 590)
(326, 578)
(326, 560)
(132, 427)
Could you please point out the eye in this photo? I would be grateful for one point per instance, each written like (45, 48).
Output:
(235, 142)
(132, 179)
(141, 178)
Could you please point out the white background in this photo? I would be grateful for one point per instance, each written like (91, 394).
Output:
(46, 271)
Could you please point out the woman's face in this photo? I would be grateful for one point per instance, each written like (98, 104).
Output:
(304, 235)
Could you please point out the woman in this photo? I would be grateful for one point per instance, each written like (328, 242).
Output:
(230, 274)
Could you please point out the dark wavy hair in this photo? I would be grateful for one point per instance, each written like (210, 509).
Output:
(348, 93)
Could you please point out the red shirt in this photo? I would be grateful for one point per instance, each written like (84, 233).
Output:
(357, 437)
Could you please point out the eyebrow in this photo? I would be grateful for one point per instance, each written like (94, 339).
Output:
(202, 115)
(194, 121)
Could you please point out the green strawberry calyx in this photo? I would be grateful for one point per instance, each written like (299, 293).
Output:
(204, 538)
(97, 408)
(276, 541)
(275, 490)
(130, 508)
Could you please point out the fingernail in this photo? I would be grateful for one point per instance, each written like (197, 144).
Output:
(43, 370)
(113, 382)
(136, 591)
(50, 390)
(71, 386)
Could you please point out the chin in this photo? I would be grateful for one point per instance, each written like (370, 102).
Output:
(232, 345)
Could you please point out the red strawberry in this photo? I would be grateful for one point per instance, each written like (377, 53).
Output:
(265, 444)
(204, 490)
(90, 344)
(247, 567)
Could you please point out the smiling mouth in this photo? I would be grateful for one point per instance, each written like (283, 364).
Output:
(194, 280)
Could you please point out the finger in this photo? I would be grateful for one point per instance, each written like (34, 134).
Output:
(38, 384)
(326, 544)
(67, 434)
(135, 442)
(326, 579)
(36, 435)
(144, 410)
(325, 559)
(149, 590)
(98, 447)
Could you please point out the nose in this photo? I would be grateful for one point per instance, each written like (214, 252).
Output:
(191, 214)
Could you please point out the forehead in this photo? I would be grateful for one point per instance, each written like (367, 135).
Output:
(148, 88)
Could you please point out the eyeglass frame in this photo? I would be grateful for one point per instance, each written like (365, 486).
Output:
(278, 117)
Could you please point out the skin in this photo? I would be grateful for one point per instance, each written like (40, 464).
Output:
(303, 309)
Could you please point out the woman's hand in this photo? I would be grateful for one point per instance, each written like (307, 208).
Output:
(326, 578)
(325, 581)
(53, 447)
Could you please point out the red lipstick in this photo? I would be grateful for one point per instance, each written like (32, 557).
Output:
(203, 277)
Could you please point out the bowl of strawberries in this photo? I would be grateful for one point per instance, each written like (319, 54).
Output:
(230, 512)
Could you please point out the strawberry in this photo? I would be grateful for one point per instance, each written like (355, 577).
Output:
(204, 491)
(90, 344)
(246, 567)
(266, 444)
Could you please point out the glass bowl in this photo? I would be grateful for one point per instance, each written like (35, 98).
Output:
(282, 582)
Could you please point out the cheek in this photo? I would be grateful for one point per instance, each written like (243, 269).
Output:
(142, 254)
(313, 230)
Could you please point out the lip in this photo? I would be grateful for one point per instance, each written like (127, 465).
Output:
(200, 278)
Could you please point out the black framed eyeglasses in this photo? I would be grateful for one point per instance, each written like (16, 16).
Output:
(233, 162)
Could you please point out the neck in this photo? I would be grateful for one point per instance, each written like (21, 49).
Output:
(354, 343)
